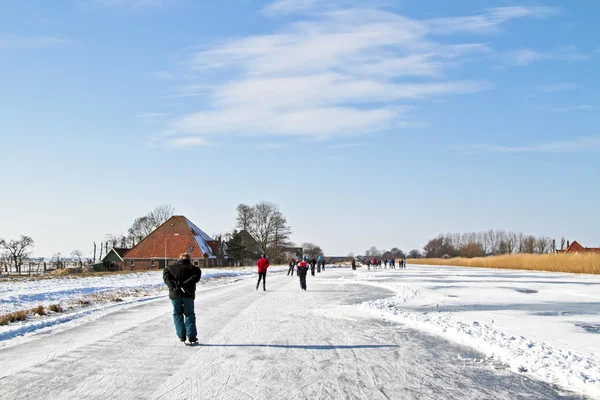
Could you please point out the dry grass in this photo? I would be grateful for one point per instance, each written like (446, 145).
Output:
(55, 308)
(575, 263)
(39, 310)
(13, 317)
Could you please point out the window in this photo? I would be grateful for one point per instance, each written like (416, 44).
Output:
(132, 263)
(152, 263)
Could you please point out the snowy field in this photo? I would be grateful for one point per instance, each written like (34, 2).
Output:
(90, 297)
(332, 340)
(544, 324)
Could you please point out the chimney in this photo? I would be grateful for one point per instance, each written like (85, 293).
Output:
(568, 243)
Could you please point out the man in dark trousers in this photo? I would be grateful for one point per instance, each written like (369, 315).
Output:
(181, 279)
(353, 264)
(262, 265)
(313, 263)
(292, 265)
(301, 271)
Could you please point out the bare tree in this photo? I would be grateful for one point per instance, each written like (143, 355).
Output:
(58, 261)
(141, 227)
(543, 245)
(373, 252)
(160, 214)
(145, 225)
(528, 244)
(18, 250)
(562, 243)
(311, 250)
(414, 254)
(244, 217)
(5, 261)
(77, 255)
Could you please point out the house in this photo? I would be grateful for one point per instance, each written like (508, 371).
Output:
(575, 248)
(113, 261)
(176, 236)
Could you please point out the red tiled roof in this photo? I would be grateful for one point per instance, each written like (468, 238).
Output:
(179, 235)
(575, 247)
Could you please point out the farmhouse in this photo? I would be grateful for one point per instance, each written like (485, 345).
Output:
(113, 261)
(176, 236)
(575, 247)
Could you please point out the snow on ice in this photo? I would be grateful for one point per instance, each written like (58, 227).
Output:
(534, 322)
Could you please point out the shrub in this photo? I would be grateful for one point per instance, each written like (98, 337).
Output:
(13, 317)
(55, 308)
(39, 310)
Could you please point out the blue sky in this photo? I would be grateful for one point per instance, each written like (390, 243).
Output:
(368, 122)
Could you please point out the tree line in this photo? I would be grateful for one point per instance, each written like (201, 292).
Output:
(260, 229)
(394, 253)
(489, 243)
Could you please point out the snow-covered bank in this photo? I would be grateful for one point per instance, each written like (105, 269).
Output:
(541, 324)
(92, 296)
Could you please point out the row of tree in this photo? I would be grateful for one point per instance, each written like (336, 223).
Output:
(260, 228)
(18, 253)
(489, 243)
(394, 253)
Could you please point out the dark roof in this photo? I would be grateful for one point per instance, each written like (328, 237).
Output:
(120, 251)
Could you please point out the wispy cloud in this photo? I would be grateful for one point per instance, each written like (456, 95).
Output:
(525, 57)
(21, 42)
(337, 72)
(490, 21)
(576, 145)
(152, 115)
(186, 142)
(347, 145)
(289, 6)
(556, 87)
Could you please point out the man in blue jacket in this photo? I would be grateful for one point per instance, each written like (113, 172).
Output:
(181, 279)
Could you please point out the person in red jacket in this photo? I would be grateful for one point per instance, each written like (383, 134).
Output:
(262, 265)
(301, 271)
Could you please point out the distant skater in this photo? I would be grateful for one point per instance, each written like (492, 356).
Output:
(292, 265)
(262, 265)
(301, 271)
(313, 263)
(181, 279)
(353, 264)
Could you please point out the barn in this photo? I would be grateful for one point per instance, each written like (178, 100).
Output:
(176, 236)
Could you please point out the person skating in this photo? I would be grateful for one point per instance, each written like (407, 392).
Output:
(292, 265)
(262, 265)
(319, 263)
(302, 271)
(313, 263)
(181, 279)
(353, 264)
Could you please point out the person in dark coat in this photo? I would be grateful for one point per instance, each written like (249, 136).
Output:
(262, 265)
(291, 269)
(302, 271)
(353, 264)
(181, 279)
(313, 263)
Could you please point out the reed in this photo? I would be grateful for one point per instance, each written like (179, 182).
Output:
(583, 263)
